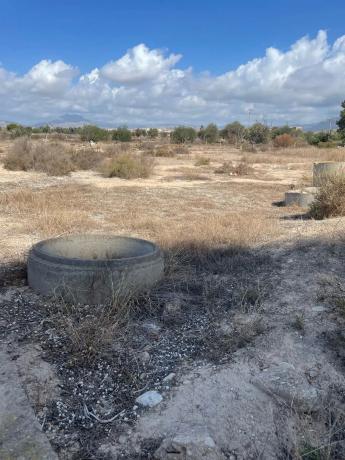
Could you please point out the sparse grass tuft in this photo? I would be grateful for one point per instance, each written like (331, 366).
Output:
(299, 322)
(127, 166)
(202, 161)
(241, 169)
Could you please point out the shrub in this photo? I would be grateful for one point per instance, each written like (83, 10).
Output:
(183, 134)
(122, 134)
(209, 134)
(202, 161)
(86, 158)
(330, 199)
(258, 134)
(93, 133)
(234, 132)
(163, 151)
(20, 155)
(283, 141)
(226, 168)
(243, 169)
(53, 159)
(180, 150)
(127, 166)
(153, 133)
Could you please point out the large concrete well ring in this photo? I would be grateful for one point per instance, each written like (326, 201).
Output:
(326, 169)
(93, 269)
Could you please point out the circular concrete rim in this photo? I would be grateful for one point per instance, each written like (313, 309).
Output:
(37, 249)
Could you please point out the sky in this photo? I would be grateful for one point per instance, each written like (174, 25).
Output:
(165, 63)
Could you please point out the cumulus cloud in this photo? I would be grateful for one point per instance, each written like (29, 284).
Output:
(145, 87)
(139, 64)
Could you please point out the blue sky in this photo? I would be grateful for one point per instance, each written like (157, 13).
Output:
(214, 37)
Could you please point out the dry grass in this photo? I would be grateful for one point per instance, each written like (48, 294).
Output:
(90, 331)
(296, 155)
(86, 158)
(202, 161)
(128, 166)
(243, 168)
(54, 159)
(48, 212)
(330, 199)
(164, 151)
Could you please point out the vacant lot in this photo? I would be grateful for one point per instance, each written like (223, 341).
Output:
(247, 323)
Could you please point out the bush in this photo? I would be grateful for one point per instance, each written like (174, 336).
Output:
(53, 159)
(226, 168)
(87, 158)
(93, 133)
(180, 150)
(283, 141)
(163, 151)
(153, 133)
(234, 132)
(20, 155)
(183, 134)
(209, 134)
(122, 134)
(127, 166)
(258, 134)
(330, 199)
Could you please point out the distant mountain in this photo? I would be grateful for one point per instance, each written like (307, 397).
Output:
(66, 121)
(324, 125)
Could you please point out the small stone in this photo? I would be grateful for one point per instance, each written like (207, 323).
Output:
(149, 399)
(152, 329)
(285, 381)
(145, 357)
(172, 313)
(193, 444)
(169, 377)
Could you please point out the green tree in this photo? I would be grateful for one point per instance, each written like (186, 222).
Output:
(139, 132)
(210, 134)
(183, 134)
(122, 134)
(93, 133)
(341, 121)
(153, 133)
(234, 132)
(17, 130)
(258, 134)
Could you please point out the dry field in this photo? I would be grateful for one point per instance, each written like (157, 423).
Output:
(249, 317)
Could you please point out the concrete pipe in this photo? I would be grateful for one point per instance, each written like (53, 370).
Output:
(93, 269)
(302, 198)
(323, 170)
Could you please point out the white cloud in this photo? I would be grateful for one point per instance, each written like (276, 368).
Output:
(144, 87)
(139, 64)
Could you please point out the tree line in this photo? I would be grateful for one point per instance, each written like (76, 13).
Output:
(233, 133)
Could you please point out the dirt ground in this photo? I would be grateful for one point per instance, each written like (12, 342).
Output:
(243, 338)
